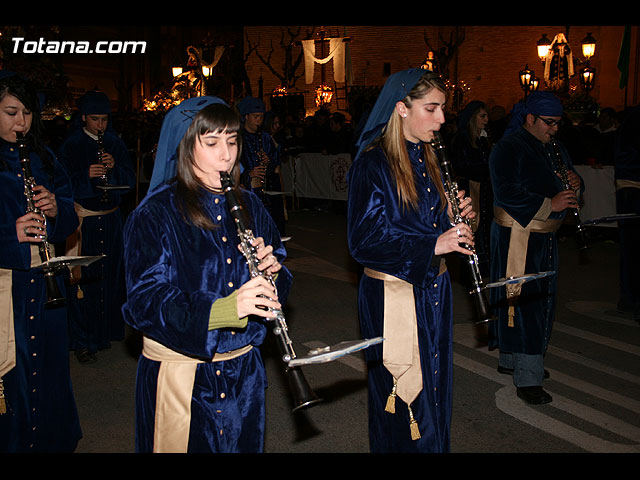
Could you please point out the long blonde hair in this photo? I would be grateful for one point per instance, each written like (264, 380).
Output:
(393, 144)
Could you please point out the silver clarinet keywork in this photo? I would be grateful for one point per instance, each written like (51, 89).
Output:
(100, 141)
(104, 181)
(258, 184)
(451, 188)
(54, 297)
(561, 170)
(301, 391)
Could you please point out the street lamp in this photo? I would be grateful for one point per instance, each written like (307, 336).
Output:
(543, 47)
(587, 78)
(324, 93)
(528, 80)
(588, 46)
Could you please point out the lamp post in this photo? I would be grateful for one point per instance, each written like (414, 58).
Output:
(528, 80)
(588, 46)
(587, 74)
(324, 92)
(543, 47)
(587, 78)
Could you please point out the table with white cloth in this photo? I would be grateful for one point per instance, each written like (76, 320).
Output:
(316, 175)
(599, 198)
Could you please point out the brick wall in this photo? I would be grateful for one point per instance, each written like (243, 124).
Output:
(488, 60)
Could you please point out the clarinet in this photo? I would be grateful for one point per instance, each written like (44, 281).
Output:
(561, 170)
(302, 393)
(451, 186)
(100, 141)
(260, 183)
(103, 177)
(54, 297)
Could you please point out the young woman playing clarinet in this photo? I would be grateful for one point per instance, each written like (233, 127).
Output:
(37, 407)
(399, 227)
(201, 380)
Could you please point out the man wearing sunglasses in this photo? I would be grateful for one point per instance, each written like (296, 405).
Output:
(529, 206)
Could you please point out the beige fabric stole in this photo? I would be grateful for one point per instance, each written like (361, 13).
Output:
(173, 396)
(73, 244)
(7, 332)
(400, 349)
(622, 183)
(517, 254)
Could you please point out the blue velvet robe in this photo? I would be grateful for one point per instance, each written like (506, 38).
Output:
(523, 174)
(472, 164)
(41, 410)
(384, 238)
(96, 319)
(252, 143)
(627, 167)
(174, 273)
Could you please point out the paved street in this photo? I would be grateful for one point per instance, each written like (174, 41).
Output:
(593, 361)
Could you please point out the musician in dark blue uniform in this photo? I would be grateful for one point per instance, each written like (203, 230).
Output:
(261, 160)
(470, 149)
(37, 407)
(201, 379)
(399, 228)
(627, 175)
(97, 291)
(530, 203)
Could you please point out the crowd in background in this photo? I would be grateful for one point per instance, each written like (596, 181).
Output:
(590, 140)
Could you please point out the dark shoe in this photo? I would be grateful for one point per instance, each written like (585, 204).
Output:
(84, 356)
(509, 371)
(534, 395)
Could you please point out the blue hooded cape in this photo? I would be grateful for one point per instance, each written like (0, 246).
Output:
(175, 125)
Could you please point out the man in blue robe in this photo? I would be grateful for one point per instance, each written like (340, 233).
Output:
(261, 160)
(97, 293)
(530, 203)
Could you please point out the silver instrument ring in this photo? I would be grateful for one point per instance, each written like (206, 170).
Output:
(458, 232)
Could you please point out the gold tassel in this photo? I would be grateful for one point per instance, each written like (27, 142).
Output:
(391, 400)
(413, 426)
(511, 315)
(73, 280)
(3, 403)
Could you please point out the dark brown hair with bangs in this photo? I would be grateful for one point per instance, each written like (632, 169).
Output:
(214, 118)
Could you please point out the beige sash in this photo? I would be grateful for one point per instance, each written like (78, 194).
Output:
(73, 244)
(7, 332)
(173, 396)
(400, 350)
(518, 242)
(7, 335)
(621, 183)
(517, 254)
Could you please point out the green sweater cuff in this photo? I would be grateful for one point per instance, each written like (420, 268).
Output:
(224, 313)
